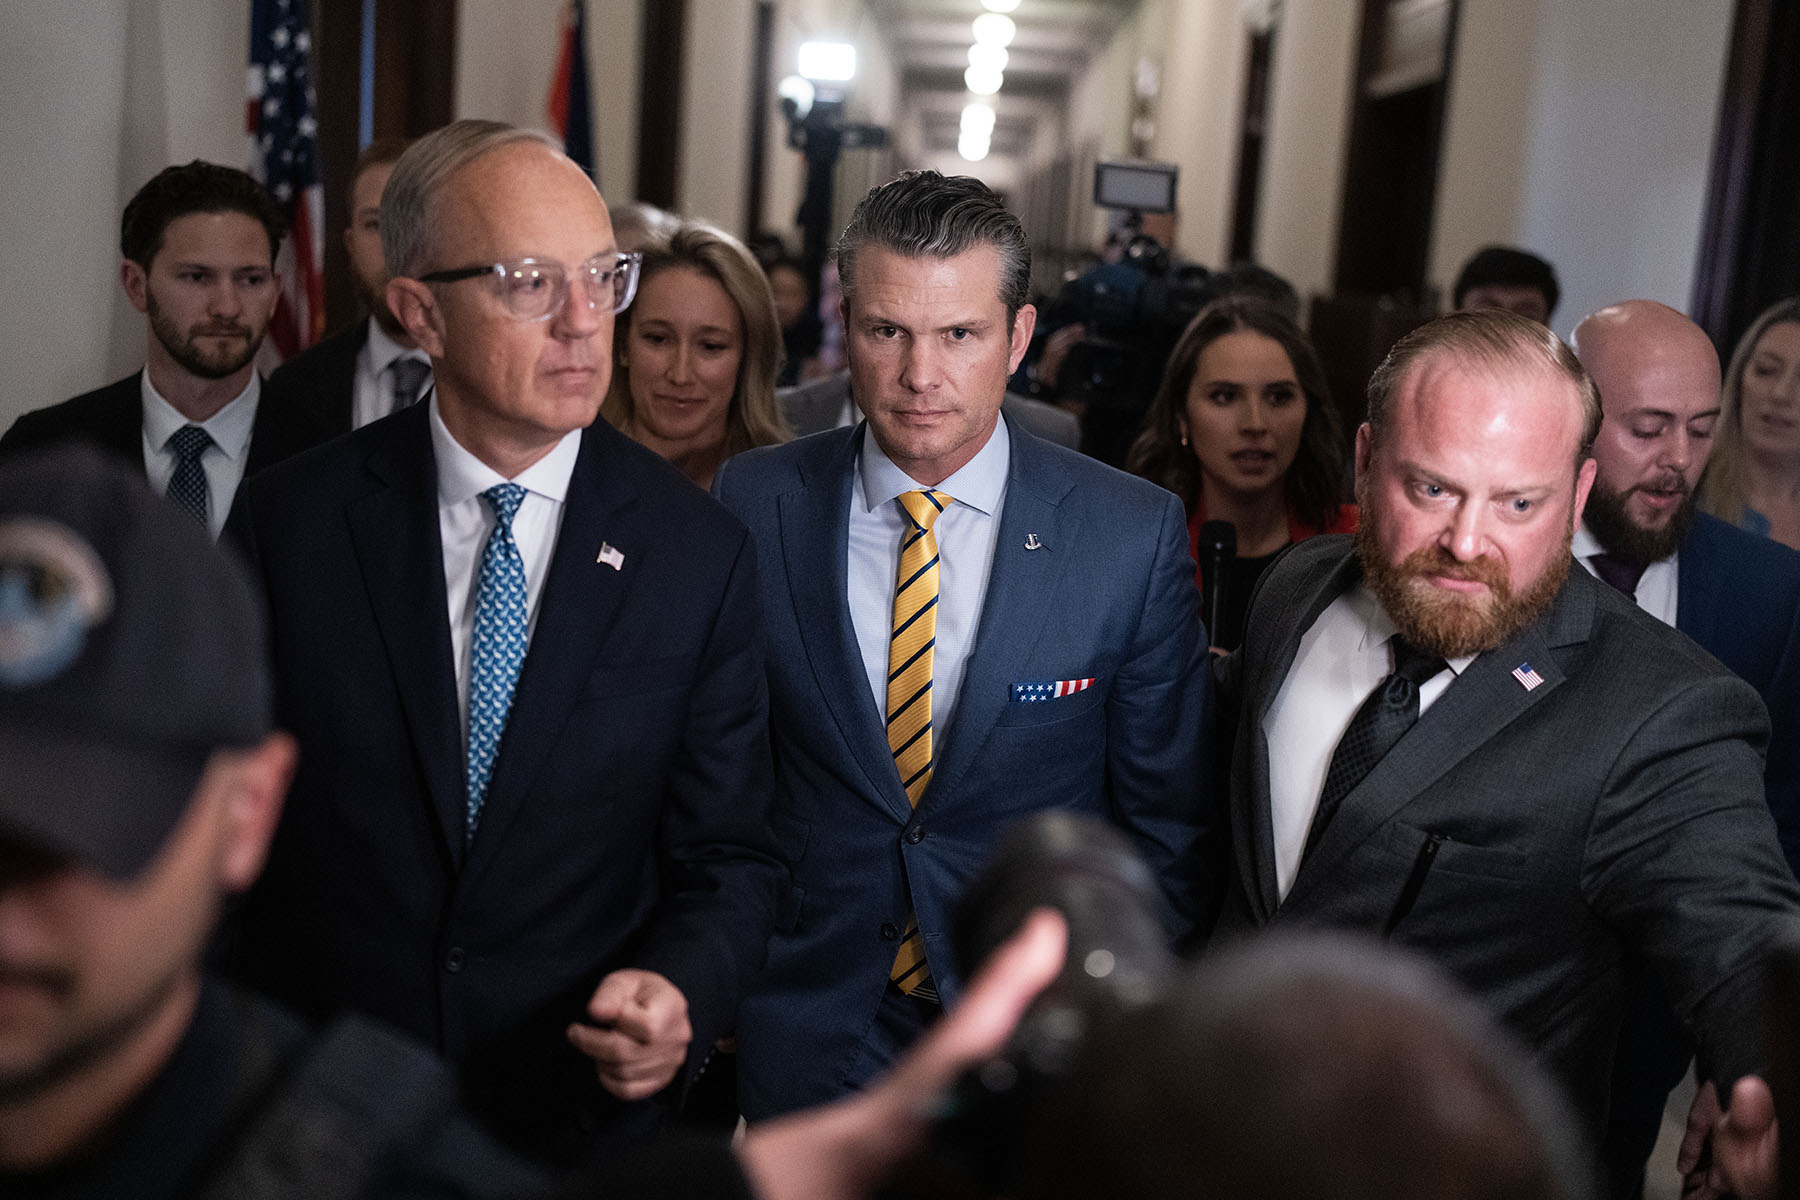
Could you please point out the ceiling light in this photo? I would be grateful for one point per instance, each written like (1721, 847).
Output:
(828, 62)
(987, 58)
(982, 82)
(994, 29)
(978, 118)
(972, 148)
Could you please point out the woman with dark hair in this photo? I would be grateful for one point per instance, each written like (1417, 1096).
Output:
(695, 356)
(1753, 476)
(1243, 430)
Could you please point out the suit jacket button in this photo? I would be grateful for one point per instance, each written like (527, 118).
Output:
(915, 835)
(890, 932)
(453, 959)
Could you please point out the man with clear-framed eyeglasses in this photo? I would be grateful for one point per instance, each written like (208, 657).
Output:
(524, 663)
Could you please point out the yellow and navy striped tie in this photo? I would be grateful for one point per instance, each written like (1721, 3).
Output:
(909, 690)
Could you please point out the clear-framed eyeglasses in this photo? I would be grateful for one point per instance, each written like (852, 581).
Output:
(535, 288)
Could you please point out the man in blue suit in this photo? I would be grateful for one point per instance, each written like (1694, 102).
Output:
(1735, 594)
(966, 625)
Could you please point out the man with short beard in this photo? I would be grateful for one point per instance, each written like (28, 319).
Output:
(1736, 594)
(1448, 738)
(372, 367)
(198, 244)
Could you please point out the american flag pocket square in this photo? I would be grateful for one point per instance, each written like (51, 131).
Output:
(1051, 689)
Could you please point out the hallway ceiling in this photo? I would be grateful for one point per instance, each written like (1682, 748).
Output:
(930, 39)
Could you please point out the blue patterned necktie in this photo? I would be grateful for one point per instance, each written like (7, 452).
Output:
(187, 486)
(499, 643)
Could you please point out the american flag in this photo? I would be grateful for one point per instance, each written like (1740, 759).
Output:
(284, 155)
(1052, 689)
(1525, 675)
(567, 106)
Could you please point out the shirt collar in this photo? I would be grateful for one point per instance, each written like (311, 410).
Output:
(384, 349)
(462, 477)
(229, 428)
(979, 484)
(1378, 627)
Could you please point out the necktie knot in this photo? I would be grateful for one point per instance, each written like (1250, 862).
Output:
(504, 499)
(1413, 664)
(1623, 573)
(188, 443)
(409, 376)
(923, 508)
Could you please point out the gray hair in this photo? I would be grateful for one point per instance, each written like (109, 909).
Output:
(1494, 340)
(922, 214)
(409, 202)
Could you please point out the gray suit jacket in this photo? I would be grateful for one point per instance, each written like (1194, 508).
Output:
(1527, 838)
(815, 407)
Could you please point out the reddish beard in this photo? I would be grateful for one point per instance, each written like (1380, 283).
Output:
(1453, 624)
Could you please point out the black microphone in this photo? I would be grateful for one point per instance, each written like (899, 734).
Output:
(1218, 546)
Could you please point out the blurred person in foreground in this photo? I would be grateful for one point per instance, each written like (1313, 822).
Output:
(1244, 431)
(1753, 480)
(141, 779)
(1447, 737)
(695, 356)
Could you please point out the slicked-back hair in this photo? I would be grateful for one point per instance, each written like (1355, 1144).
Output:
(1492, 340)
(1725, 484)
(922, 214)
(195, 187)
(755, 417)
(1315, 482)
(409, 202)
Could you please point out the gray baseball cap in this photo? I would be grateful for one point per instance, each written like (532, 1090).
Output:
(131, 648)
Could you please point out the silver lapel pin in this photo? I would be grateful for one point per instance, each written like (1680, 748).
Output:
(1032, 543)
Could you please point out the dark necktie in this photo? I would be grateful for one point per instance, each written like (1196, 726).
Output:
(187, 486)
(1619, 571)
(410, 376)
(1391, 709)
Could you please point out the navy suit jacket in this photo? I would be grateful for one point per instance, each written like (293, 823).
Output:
(626, 821)
(321, 380)
(1107, 593)
(112, 418)
(1738, 595)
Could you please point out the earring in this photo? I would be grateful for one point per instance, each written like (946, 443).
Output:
(1184, 440)
(624, 359)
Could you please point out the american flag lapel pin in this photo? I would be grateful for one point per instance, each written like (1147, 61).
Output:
(1528, 678)
(611, 556)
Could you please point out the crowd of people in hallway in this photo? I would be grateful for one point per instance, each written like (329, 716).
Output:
(561, 713)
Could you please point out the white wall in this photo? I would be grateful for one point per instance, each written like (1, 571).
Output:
(1606, 169)
(95, 97)
(1201, 62)
(1303, 160)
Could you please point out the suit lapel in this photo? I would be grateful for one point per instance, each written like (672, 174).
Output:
(581, 600)
(1250, 795)
(1012, 613)
(815, 547)
(119, 420)
(1476, 707)
(398, 546)
(1697, 608)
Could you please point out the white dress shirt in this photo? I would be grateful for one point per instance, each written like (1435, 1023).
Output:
(223, 461)
(966, 532)
(1657, 588)
(465, 521)
(1339, 662)
(373, 394)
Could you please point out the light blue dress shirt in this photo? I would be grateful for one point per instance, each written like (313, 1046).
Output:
(966, 533)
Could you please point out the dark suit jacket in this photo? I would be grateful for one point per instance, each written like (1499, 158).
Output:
(1738, 595)
(815, 407)
(112, 418)
(1108, 593)
(1614, 808)
(626, 821)
(322, 379)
